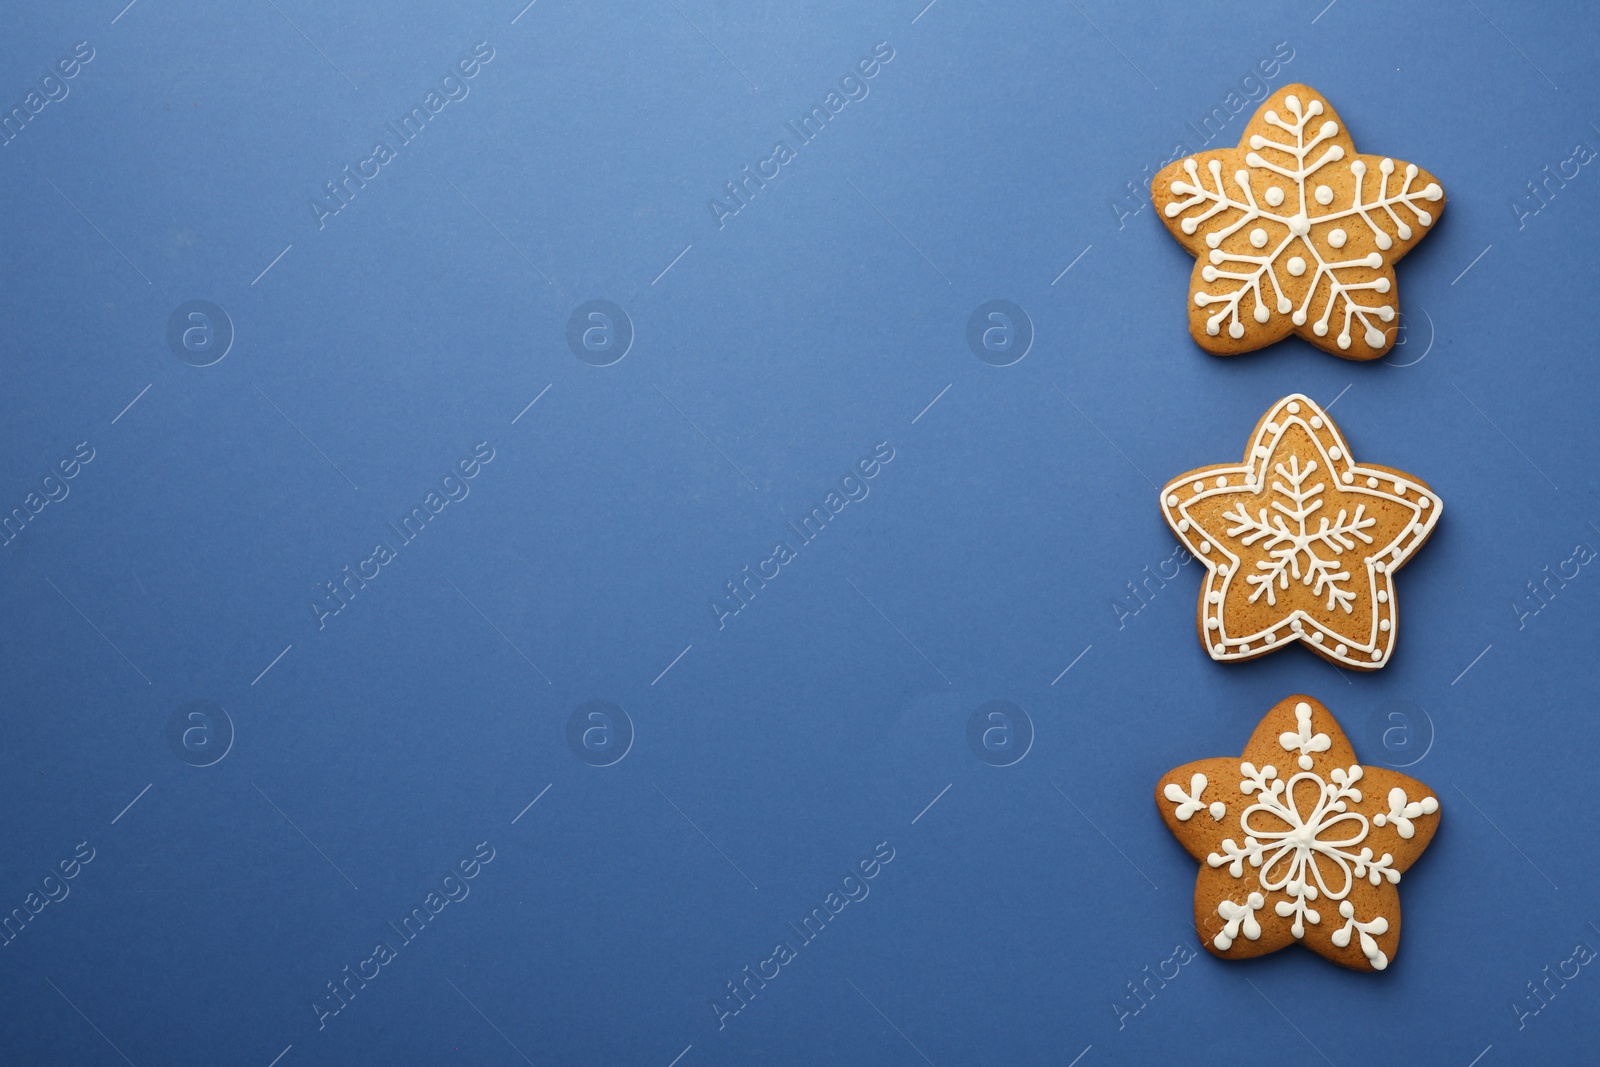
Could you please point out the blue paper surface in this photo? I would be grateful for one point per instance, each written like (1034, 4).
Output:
(261, 747)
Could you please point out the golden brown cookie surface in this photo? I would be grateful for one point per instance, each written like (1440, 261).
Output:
(1300, 542)
(1297, 841)
(1296, 232)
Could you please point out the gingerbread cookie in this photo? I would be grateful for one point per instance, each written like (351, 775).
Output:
(1295, 232)
(1298, 842)
(1300, 543)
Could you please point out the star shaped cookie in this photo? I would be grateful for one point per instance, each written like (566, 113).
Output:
(1299, 542)
(1296, 232)
(1298, 842)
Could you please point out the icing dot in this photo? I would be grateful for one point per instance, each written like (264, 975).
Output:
(1261, 313)
(1337, 237)
(1272, 427)
(1261, 451)
(1299, 316)
(1221, 481)
(1297, 626)
(1358, 168)
(1417, 528)
(1205, 547)
(1209, 273)
(1377, 654)
(1383, 597)
(1297, 266)
(1217, 648)
(1372, 483)
(1381, 285)
(1433, 192)
(1425, 502)
(1299, 225)
(1294, 407)
(1339, 650)
(1258, 237)
(1244, 646)
(1380, 566)
(1374, 338)
(1347, 476)
(1272, 638)
(1383, 624)
(1214, 597)
(1198, 486)
(1222, 569)
(1172, 498)
(1212, 624)
(1183, 525)
(1218, 809)
(1375, 261)
(1316, 638)
(1284, 305)
(1258, 141)
(1335, 453)
(1236, 330)
(1399, 488)
(1274, 196)
(1324, 195)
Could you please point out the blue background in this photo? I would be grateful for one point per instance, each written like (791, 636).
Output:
(374, 753)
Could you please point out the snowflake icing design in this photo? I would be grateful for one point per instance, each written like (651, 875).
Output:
(1298, 852)
(1303, 843)
(1275, 246)
(1299, 542)
(1287, 546)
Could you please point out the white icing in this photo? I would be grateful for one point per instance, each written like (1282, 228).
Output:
(1240, 918)
(1369, 947)
(1307, 224)
(1304, 740)
(1286, 546)
(1304, 855)
(1316, 526)
(1191, 802)
(1401, 814)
